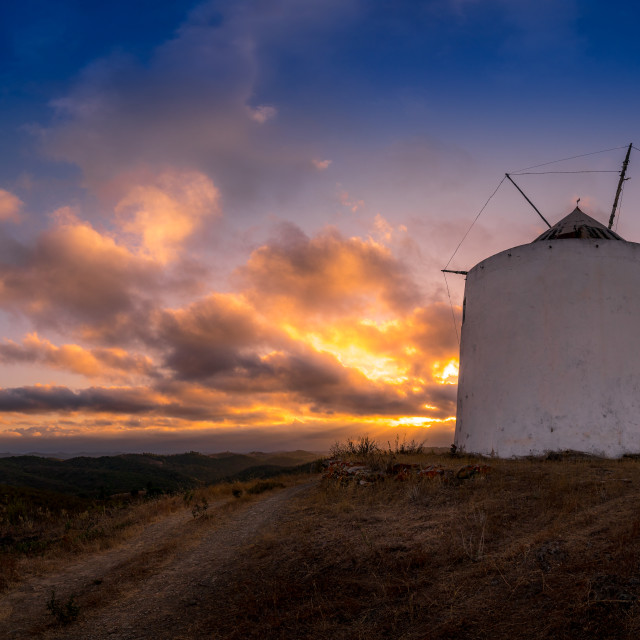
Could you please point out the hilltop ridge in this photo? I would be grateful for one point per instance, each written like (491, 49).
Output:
(91, 477)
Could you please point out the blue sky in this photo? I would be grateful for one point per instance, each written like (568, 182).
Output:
(177, 165)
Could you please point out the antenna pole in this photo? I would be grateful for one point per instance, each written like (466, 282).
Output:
(527, 199)
(625, 164)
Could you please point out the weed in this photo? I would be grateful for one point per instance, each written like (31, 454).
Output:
(472, 534)
(362, 447)
(405, 448)
(63, 613)
(199, 509)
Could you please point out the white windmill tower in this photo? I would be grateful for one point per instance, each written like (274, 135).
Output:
(550, 344)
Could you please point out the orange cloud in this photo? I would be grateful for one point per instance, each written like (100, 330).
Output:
(162, 215)
(10, 206)
(93, 363)
(349, 202)
(321, 165)
(320, 330)
(326, 276)
(382, 229)
(77, 277)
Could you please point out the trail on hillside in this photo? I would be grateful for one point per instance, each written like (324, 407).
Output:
(152, 586)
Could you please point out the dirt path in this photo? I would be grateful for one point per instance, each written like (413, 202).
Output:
(153, 586)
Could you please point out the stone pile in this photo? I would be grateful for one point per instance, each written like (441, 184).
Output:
(347, 471)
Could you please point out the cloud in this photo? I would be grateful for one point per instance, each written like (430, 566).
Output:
(92, 363)
(331, 387)
(319, 327)
(349, 202)
(164, 213)
(220, 334)
(75, 276)
(192, 103)
(320, 165)
(46, 398)
(327, 275)
(382, 229)
(262, 113)
(91, 436)
(333, 323)
(10, 206)
(188, 104)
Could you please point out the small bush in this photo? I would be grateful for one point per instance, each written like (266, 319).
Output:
(63, 613)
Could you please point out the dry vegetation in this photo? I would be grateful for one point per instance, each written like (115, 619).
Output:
(535, 549)
(41, 530)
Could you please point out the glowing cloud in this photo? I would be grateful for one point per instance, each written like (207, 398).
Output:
(320, 165)
(10, 206)
(322, 328)
(75, 275)
(111, 363)
(447, 373)
(165, 213)
(382, 229)
(326, 276)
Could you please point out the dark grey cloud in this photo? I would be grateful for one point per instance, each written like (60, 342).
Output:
(212, 336)
(135, 401)
(41, 399)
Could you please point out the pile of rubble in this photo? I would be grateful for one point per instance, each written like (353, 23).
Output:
(345, 471)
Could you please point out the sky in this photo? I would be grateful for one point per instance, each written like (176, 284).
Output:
(222, 224)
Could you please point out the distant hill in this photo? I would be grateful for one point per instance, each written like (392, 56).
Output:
(62, 455)
(107, 475)
(278, 458)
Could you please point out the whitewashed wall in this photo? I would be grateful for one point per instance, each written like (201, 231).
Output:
(550, 350)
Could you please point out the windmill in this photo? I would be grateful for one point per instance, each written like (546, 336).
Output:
(549, 348)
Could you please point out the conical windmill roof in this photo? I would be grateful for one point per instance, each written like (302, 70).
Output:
(578, 225)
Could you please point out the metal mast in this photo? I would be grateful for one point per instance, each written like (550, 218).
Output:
(620, 183)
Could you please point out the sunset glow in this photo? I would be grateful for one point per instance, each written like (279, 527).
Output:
(223, 227)
(447, 374)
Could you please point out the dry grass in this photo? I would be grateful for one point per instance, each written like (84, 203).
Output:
(536, 549)
(34, 539)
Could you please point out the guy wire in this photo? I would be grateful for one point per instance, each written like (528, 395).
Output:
(474, 221)
(582, 155)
